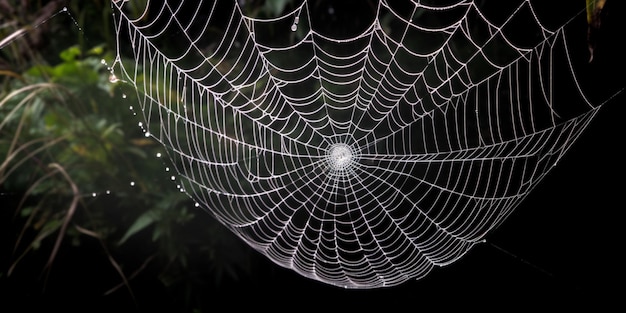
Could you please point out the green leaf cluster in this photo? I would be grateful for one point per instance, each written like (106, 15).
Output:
(76, 170)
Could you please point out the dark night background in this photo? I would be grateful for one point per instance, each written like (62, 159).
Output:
(560, 250)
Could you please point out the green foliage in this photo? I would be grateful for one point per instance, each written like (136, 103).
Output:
(69, 148)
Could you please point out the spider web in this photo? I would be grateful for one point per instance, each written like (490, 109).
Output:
(362, 160)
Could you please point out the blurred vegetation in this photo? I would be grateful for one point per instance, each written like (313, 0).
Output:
(77, 172)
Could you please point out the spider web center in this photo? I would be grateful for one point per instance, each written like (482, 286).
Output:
(340, 157)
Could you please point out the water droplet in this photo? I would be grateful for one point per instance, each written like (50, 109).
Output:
(130, 107)
(93, 194)
(147, 134)
(132, 183)
(167, 169)
(173, 177)
(124, 96)
(158, 155)
(113, 79)
(108, 192)
(197, 204)
(64, 9)
(140, 124)
(103, 62)
(294, 27)
(296, 20)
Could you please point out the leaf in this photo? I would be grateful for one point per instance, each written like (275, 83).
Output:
(70, 54)
(109, 130)
(594, 20)
(97, 50)
(136, 151)
(158, 231)
(25, 212)
(51, 120)
(143, 221)
(593, 6)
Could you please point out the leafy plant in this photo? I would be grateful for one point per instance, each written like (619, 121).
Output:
(79, 168)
